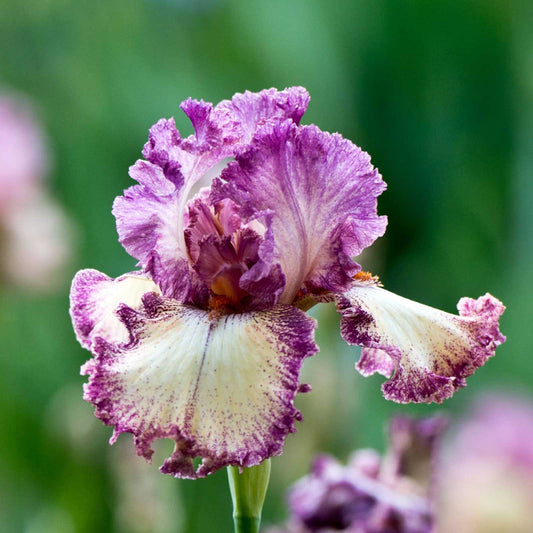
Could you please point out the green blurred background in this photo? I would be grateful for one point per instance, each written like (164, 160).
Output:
(439, 93)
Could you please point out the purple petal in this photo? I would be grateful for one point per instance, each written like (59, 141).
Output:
(319, 190)
(244, 113)
(221, 388)
(337, 497)
(94, 300)
(207, 133)
(185, 161)
(432, 351)
(374, 360)
(151, 216)
(149, 220)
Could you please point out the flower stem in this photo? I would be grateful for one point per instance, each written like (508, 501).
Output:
(248, 490)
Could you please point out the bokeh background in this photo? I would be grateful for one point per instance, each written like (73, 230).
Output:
(439, 93)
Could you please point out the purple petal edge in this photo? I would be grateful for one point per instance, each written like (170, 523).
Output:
(82, 286)
(470, 345)
(292, 328)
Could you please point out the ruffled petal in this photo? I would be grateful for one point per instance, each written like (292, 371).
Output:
(240, 117)
(319, 191)
(151, 216)
(94, 300)
(221, 388)
(432, 351)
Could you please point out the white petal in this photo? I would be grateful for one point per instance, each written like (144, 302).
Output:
(95, 298)
(432, 351)
(222, 388)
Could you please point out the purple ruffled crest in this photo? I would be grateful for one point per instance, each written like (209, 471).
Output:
(222, 251)
(245, 113)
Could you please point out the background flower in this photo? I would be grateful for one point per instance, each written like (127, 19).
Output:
(486, 472)
(35, 239)
(372, 494)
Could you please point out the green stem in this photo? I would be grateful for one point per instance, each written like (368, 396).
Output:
(246, 524)
(248, 490)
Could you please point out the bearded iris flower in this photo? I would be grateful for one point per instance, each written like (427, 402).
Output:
(204, 343)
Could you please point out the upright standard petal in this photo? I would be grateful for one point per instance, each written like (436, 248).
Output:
(320, 193)
(95, 299)
(150, 227)
(240, 117)
(221, 387)
(432, 352)
(151, 216)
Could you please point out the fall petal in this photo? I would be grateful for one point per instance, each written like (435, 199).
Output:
(430, 351)
(221, 388)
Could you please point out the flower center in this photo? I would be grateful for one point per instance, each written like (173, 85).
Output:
(221, 249)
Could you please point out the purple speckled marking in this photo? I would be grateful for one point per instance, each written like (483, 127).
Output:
(290, 334)
(429, 369)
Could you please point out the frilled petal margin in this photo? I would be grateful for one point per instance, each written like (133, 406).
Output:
(151, 216)
(221, 388)
(94, 300)
(149, 223)
(430, 352)
(240, 117)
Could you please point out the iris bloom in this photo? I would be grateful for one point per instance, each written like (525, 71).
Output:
(372, 494)
(204, 343)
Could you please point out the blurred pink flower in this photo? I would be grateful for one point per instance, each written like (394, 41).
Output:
(486, 473)
(35, 237)
(23, 152)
